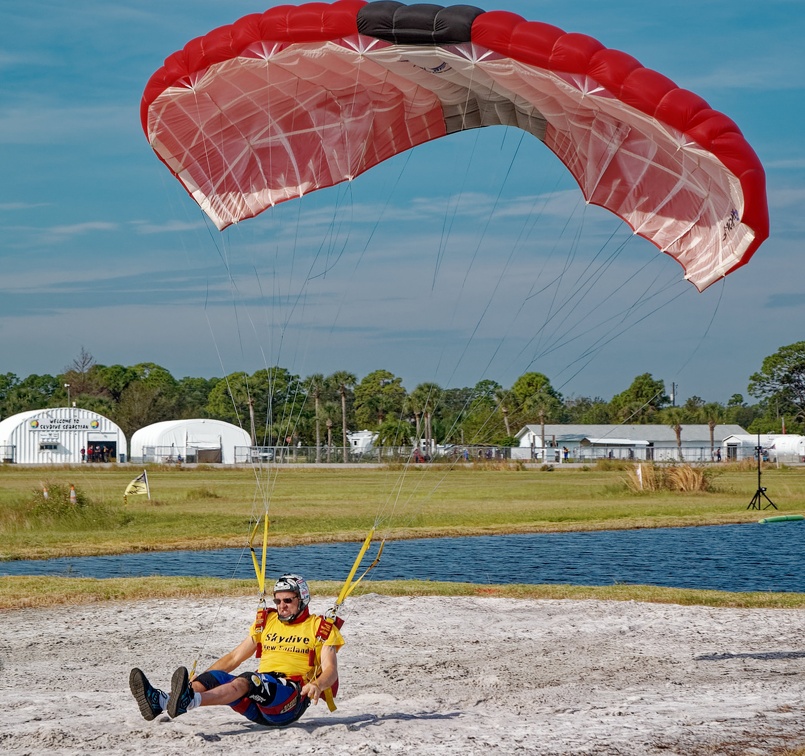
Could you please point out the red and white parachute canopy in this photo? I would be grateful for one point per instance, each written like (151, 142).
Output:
(298, 98)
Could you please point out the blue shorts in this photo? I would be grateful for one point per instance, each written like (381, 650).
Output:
(272, 700)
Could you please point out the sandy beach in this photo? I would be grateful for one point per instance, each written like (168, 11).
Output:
(423, 676)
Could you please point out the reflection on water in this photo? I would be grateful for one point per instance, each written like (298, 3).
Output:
(749, 557)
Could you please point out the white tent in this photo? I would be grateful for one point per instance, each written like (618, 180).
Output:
(199, 440)
(58, 436)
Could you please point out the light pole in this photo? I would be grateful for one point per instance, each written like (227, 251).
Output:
(67, 386)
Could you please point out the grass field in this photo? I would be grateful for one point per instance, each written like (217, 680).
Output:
(211, 507)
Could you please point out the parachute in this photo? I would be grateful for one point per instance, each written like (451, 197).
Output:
(279, 104)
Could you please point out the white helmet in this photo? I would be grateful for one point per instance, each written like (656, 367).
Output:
(298, 585)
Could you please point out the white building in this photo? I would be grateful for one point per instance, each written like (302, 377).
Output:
(648, 442)
(361, 442)
(58, 436)
(776, 447)
(200, 440)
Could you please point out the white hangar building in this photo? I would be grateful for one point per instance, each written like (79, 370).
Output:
(641, 442)
(57, 436)
(200, 440)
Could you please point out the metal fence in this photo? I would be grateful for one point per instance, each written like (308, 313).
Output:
(384, 455)
(245, 455)
(687, 454)
(167, 455)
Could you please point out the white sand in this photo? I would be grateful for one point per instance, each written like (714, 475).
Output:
(424, 676)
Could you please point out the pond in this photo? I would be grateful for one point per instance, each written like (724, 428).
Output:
(750, 557)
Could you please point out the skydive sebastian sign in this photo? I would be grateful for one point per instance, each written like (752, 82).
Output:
(62, 424)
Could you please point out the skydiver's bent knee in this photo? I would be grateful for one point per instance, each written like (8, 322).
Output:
(271, 699)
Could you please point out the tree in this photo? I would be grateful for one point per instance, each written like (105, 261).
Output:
(504, 399)
(641, 401)
(330, 412)
(426, 397)
(781, 381)
(587, 410)
(393, 433)
(33, 392)
(79, 374)
(142, 404)
(229, 399)
(194, 393)
(693, 409)
(739, 412)
(378, 396)
(115, 379)
(316, 386)
(713, 413)
(344, 382)
(7, 383)
(537, 398)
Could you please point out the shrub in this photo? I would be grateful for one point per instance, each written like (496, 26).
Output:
(59, 508)
(682, 478)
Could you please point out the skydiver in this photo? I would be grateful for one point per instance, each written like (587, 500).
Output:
(286, 681)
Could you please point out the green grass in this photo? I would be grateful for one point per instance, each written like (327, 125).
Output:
(213, 507)
(38, 591)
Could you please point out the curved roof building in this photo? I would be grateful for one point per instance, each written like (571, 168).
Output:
(195, 440)
(60, 435)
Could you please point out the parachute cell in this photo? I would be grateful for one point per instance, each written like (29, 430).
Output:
(298, 98)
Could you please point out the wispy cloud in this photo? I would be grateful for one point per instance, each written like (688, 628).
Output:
(168, 227)
(16, 206)
(75, 229)
(793, 163)
(38, 122)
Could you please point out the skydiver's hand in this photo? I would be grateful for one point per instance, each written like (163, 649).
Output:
(312, 691)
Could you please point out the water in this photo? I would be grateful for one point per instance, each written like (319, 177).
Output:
(749, 557)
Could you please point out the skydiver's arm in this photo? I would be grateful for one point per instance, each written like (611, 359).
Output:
(236, 656)
(327, 676)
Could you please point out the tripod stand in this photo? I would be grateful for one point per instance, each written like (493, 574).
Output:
(761, 491)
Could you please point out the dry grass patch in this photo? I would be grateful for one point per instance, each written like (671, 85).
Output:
(641, 478)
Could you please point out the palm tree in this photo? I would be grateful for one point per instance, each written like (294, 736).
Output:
(503, 398)
(316, 385)
(426, 397)
(344, 381)
(412, 404)
(393, 433)
(330, 412)
(714, 413)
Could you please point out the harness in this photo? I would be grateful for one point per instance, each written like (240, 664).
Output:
(327, 622)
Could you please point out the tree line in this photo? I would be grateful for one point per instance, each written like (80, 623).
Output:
(278, 407)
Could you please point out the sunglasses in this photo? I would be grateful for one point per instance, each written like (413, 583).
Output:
(277, 602)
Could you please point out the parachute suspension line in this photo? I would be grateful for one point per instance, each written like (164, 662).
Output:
(573, 301)
(375, 226)
(451, 213)
(570, 255)
(262, 489)
(602, 342)
(500, 277)
(619, 318)
(468, 269)
(723, 285)
(531, 220)
(395, 499)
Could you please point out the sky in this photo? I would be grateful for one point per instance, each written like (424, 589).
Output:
(453, 263)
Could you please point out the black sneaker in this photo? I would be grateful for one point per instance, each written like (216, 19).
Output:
(145, 694)
(182, 694)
